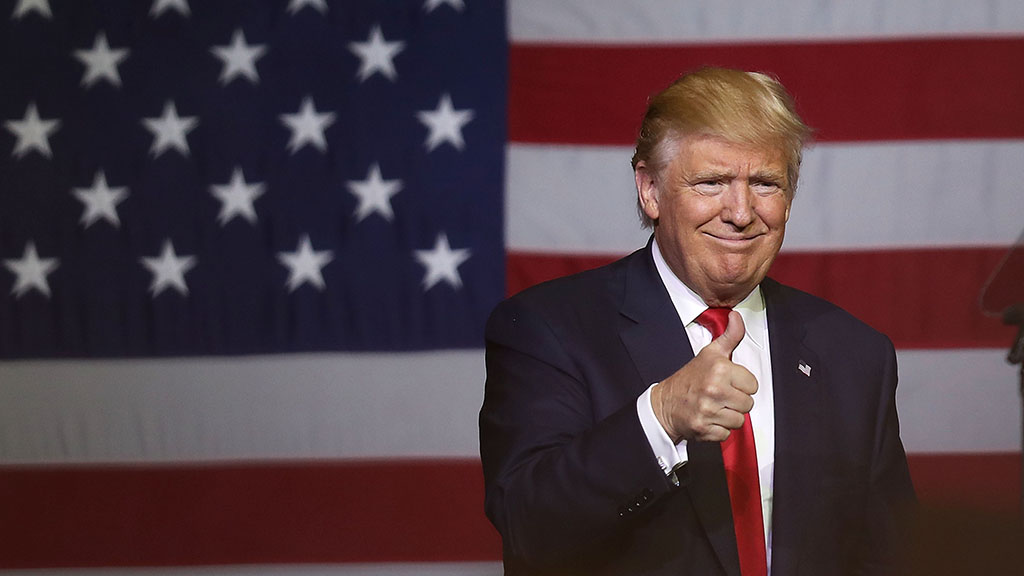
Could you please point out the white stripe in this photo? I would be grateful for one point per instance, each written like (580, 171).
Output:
(406, 569)
(581, 199)
(676, 21)
(958, 401)
(270, 407)
(344, 406)
(571, 199)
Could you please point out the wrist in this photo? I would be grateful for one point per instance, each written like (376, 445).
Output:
(658, 406)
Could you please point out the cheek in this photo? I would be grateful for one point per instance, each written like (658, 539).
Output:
(774, 213)
(691, 211)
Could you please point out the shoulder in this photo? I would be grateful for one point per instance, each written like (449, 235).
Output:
(577, 299)
(822, 321)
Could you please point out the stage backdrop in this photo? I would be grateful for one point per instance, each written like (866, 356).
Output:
(249, 247)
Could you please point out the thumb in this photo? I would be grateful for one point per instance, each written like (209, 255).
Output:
(733, 334)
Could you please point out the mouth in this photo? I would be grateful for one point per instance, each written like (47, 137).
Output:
(734, 239)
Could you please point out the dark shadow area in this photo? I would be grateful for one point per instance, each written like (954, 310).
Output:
(967, 542)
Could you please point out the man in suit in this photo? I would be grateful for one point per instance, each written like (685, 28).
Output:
(677, 412)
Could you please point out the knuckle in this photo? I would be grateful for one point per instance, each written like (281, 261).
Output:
(720, 368)
(707, 406)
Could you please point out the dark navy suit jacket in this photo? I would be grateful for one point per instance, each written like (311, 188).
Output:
(573, 486)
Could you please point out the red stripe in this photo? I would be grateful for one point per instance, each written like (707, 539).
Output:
(525, 269)
(868, 90)
(321, 512)
(983, 482)
(925, 298)
(282, 513)
(970, 521)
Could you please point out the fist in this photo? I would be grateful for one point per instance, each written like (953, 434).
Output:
(708, 397)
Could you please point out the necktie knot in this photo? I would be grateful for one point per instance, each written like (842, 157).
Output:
(715, 320)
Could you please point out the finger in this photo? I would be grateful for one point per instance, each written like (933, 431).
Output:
(733, 334)
(739, 402)
(729, 419)
(714, 433)
(743, 380)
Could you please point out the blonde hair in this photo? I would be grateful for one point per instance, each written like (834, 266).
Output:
(749, 108)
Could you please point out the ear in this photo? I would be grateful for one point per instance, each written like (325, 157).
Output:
(647, 189)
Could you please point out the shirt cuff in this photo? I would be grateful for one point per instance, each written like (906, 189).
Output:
(670, 456)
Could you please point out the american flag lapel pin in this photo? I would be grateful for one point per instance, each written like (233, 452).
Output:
(804, 367)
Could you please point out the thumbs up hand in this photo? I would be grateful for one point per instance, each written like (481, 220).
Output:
(707, 398)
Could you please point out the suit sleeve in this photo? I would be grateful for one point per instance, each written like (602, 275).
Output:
(892, 504)
(559, 484)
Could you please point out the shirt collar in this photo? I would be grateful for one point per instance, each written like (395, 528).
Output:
(689, 305)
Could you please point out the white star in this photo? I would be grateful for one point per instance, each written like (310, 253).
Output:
(161, 6)
(31, 271)
(430, 5)
(239, 59)
(24, 6)
(307, 126)
(376, 55)
(318, 5)
(33, 133)
(442, 263)
(169, 130)
(374, 194)
(237, 197)
(304, 264)
(101, 62)
(168, 270)
(445, 124)
(100, 201)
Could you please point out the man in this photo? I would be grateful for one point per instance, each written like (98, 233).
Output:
(622, 434)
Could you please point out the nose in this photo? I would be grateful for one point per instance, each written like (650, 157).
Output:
(738, 204)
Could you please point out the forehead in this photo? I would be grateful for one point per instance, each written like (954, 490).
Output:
(713, 153)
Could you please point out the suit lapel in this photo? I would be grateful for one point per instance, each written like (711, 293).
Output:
(799, 381)
(652, 333)
(657, 343)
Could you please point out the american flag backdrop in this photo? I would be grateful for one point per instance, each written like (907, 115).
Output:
(251, 177)
(248, 248)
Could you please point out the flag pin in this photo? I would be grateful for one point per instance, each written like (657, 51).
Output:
(803, 367)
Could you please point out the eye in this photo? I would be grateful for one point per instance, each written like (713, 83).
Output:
(765, 187)
(709, 185)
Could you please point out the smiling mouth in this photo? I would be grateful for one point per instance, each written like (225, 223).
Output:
(734, 240)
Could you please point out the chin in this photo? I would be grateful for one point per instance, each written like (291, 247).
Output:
(740, 273)
(737, 283)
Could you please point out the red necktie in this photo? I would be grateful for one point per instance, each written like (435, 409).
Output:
(740, 459)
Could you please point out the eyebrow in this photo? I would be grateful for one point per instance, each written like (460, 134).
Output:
(769, 175)
(712, 174)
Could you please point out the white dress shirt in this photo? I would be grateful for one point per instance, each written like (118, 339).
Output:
(753, 353)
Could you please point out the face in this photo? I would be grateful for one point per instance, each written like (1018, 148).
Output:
(721, 212)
